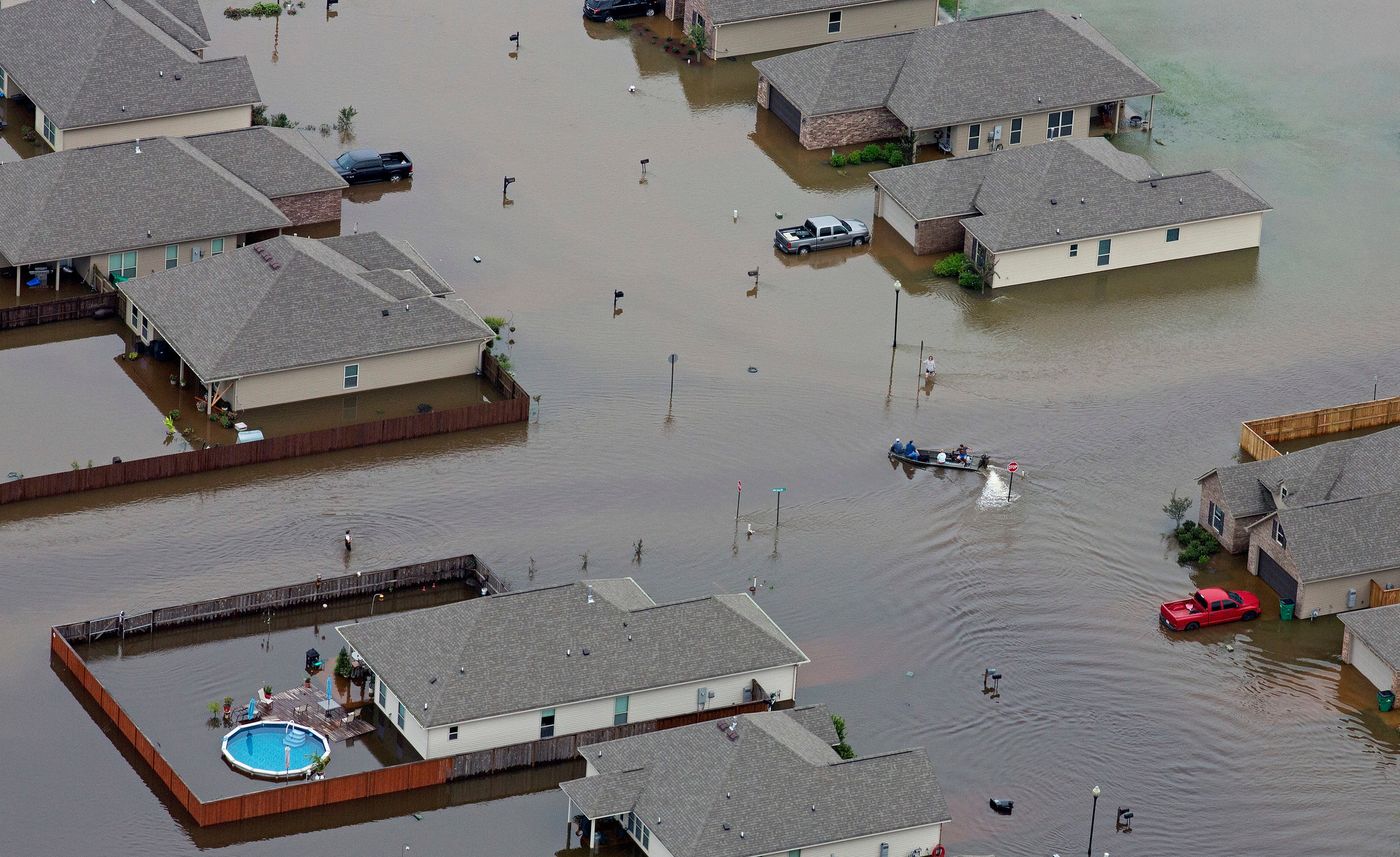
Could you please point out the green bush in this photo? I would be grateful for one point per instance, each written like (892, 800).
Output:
(1197, 543)
(872, 153)
(895, 159)
(838, 160)
(342, 663)
(842, 748)
(853, 158)
(950, 266)
(495, 322)
(970, 279)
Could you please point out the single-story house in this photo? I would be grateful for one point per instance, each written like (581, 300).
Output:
(1371, 643)
(1065, 208)
(737, 27)
(107, 71)
(977, 85)
(131, 209)
(1319, 525)
(524, 666)
(761, 785)
(291, 318)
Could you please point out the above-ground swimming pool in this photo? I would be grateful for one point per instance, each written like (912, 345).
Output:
(274, 749)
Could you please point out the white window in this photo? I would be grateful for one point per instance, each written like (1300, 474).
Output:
(1217, 518)
(1061, 124)
(216, 246)
(452, 733)
(833, 22)
(122, 265)
(50, 131)
(620, 706)
(974, 137)
(1174, 234)
(1073, 250)
(1016, 130)
(172, 256)
(547, 723)
(352, 376)
(1279, 535)
(979, 255)
(1105, 249)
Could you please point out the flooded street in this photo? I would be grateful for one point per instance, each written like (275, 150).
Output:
(1110, 391)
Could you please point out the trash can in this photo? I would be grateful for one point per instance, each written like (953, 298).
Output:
(1285, 609)
(1386, 699)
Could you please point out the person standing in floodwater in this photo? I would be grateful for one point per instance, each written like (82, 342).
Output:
(347, 541)
(930, 368)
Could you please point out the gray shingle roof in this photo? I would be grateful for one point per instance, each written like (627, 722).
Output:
(1011, 193)
(1338, 470)
(105, 199)
(95, 63)
(372, 250)
(671, 644)
(941, 76)
(728, 11)
(240, 314)
(278, 162)
(1379, 628)
(1339, 539)
(162, 14)
(764, 783)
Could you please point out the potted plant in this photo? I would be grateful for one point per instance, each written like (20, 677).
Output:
(228, 708)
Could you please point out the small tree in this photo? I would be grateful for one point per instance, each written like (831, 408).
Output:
(345, 119)
(1176, 508)
(842, 748)
(342, 663)
(697, 37)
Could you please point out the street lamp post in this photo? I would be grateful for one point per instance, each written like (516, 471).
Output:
(898, 287)
(373, 601)
(1096, 792)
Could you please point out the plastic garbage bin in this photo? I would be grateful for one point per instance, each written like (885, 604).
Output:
(1285, 609)
(1386, 699)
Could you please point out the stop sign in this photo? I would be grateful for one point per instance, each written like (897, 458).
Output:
(1011, 468)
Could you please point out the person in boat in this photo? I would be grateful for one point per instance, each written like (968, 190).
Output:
(930, 368)
(962, 453)
(911, 450)
(897, 448)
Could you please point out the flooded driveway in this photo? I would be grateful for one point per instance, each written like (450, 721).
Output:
(1111, 391)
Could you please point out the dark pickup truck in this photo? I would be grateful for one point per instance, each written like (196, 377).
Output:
(358, 166)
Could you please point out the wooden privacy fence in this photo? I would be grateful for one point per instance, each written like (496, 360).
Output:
(279, 597)
(510, 410)
(1257, 437)
(1381, 597)
(63, 309)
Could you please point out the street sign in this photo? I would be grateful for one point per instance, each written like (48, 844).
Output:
(1011, 468)
(779, 490)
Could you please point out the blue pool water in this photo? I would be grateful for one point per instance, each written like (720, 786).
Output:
(264, 746)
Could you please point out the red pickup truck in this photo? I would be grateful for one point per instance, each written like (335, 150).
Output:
(1210, 607)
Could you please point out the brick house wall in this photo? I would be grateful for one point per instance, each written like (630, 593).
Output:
(701, 8)
(1234, 538)
(307, 208)
(675, 9)
(938, 236)
(762, 93)
(847, 129)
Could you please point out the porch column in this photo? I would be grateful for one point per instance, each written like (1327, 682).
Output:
(182, 372)
(592, 840)
(1151, 111)
(569, 824)
(19, 275)
(57, 276)
(1118, 115)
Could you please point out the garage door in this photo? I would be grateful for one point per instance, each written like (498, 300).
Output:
(785, 110)
(895, 215)
(1273, 574)
(1369, 665)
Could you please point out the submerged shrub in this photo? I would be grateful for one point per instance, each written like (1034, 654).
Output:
(950, 266)
(838, 160)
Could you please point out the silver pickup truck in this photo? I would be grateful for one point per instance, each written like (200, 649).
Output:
(819, 233)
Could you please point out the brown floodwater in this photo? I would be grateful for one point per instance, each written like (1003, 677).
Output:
(1110, 390)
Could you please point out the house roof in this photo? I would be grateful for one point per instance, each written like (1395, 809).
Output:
(176, 19)
(98, 62)
(278, 162)
(292, 302)
(1339, 539)
(106, 199)
(1379, 628)
(538, 638)
(729, 11)
(1061, 191)
(372, 250)
(1337, 470)
(941, 76)
(767, 786)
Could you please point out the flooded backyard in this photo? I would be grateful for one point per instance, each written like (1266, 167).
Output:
(1110, 391)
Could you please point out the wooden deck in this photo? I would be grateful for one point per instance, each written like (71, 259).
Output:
(302, 706)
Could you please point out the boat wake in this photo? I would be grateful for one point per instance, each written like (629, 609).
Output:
(994, 493)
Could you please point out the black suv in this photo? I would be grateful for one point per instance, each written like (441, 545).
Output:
(606, 10)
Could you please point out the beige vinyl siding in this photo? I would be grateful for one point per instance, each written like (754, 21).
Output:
(895, 215)
(58, 133)
(151, 260)
(1033, 128)
(389, 370)
(412, 730)
(810, 28)
(1052, 261)
(204, 122)
(1330, 596)
(653, 704)
(1370, 665)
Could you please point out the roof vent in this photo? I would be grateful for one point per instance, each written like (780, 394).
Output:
(405, 307)
(741, 834)
(814, 807)
(568, 653)
(425, 706)
(1039, 100)
(1052, 200)
(629, 638)
(725, 825)
(432, 680)
(585, 651)
(590, 595)
(1181, 200)
(162, 72)
(178, 76)
(726, 795)
(1081, 200)
(1152, 183)
(461, 670)
(384, 312)
(1057, 231)
(148, 233)
(138, 145)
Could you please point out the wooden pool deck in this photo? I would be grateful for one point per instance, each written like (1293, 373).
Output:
(304, 707)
